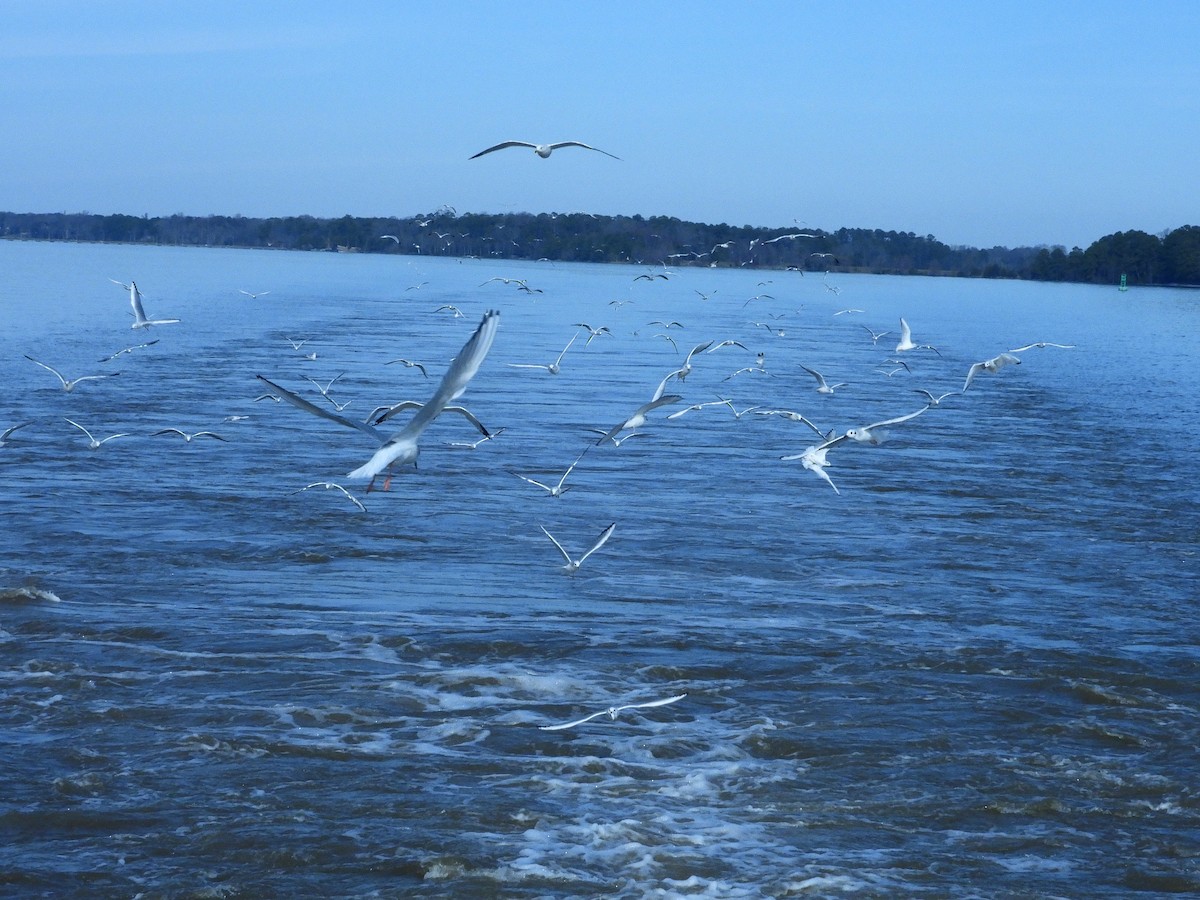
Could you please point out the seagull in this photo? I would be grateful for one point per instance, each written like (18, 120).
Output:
(558, 490)
(408, 364)
(7, 432)
(670, 340)
(612, 712)
(814, 459)
(188, 437)
(128, 350)
(875, 335)
(696, 406)
(866, 434)
(93, 444)
(552, 368)
(618, 441)
(789, 237)
(324, 390)
(328, 485)
(542, 150)
(823, 387)
(471, 445)
(842, 312)
(454, 310)
(736, 414)
(819, 255)
(618, 303)
(69, 386)
(296, 345)
(1042, 345)
(907, 343)
(389, 237)
(253, 296)
(686, 369)
(794, 417)
(728, 343)
(402, 447)
(638, 419)
(934, 401)
(139, 314)
(573, 564)
(593, 332)
(995, 364)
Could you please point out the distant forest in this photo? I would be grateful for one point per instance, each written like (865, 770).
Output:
(1145, 259)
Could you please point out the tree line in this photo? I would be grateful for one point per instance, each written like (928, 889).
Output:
(1170, 258)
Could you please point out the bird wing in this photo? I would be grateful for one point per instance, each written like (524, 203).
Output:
(47, 368)
(554, 540)
(297, 400)
(504, 145)
(76, 424)
(650, 703)
(566, 348)
(603, 712)
(815, 374)
(699, 348)
(7, 431)
(600, 542)
(971, 373)
(577, 144)
(898, 419)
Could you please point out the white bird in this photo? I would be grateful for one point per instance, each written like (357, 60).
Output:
(69, 385)
(389, 237)
(296, 345)
(934, 401)
(728, 343)
(7, 432)
(129, 350)
(593, 332)
(542, 150)
(94, 444)
(823, 387)
(557, 490)
(455, 312)
(139, 313)
(814, 460)
(402, 447)
(572, 565)
(253, 296)
(842, 312)
(875, 335)
(618, 441)
(552, 368)
(736, 414)
(792, 416)
(612, 712)
(472, 445)
(993, 365)
(638, 419)
(408, 364)
(867, 434)
(332, 485)
(686, 369)
(324, 390)
(907, 343)
(697, 406)
(187, 437)
(1042, 345)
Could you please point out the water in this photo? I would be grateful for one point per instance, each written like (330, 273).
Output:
(972, 673)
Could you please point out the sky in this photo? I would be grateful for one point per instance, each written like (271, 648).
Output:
(983, 124)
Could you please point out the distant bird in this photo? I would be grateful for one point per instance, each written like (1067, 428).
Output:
(416, 287)
(618, 441)
(875, 335)
(842, 312)
(69, 385)
(454, 311)
(733, 409)
(471, 445)
(389, 237)
(906, 341)
(593, 332)
(408, 364)
(993, 365)
(573, 565)
(253, 296)
(324, 390)
(650, 276)
(296, 345)
(612, 712)
(129, 350)
(698, 406)
(187, 437)
(557, 490)
(93, 444)
(542, 150)
(618, 303)
(638, 419)
(7, 432)
(1042, 345)
(554, 367)
(789, 237)
(934, 401)
(819, 255)
(823, 387)
(793, 416)
(139, 313)
(328, 485)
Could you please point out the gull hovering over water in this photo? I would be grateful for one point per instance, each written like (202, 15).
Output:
(557, 490)
(93, 444)
(69, 385)
(333, 485)
(552, 368)
(934, 401)
(593, 332)
(408, 364)
(823, 387)
(612, 712)
(253, 296)
(638, 419)
(542, 150)
(139, 313)
(873, 434)
(1042, 345)
(472, 445)
(907, 343)
(814, 460)
(187, 437)
(573, 565)
(993, 365)
(129, 350)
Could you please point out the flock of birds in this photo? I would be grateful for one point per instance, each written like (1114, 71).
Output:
(402, 448)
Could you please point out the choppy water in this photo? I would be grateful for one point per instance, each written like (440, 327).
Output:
(972, 673)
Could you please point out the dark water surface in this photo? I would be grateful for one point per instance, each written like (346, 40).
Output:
(973, 672)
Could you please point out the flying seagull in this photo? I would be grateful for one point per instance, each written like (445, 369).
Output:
(94, 444)
(253, 296)
(557, 490)
(328, 485)
(69, 385)
(129, 350)
(823, 387)
(552, 368)
(7, 432)
(187, 437)
(542, 150)
(612, 712)
(139, 313)
(995, 364)
(573, 565)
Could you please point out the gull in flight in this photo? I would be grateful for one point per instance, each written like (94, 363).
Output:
(686, 369)
(7, 432)
(814, 460)
(187, 437)
(542, 150)
(93, 444)
(736, 414)
(408, 364)
(1042, 345)
(128, 350)
(471, 445)
(842, 312)
(552, 368)
(934, 401)
(402, 447)
(618, 441)
(875, 335)
(557, 490)
(868, 434)
(573, 565)
(995, 364)
(324, 390)
(593, 332)
(69, 385)
(728, 343)
(638, 419)
(823, 387)
(389, 237)
(332, 485)
(612, 712)
(907, 343)
(252, 295)
(454, 310)
(697, 406)
(139, 313)
(795, 417)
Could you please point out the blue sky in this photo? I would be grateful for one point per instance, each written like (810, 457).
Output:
(1010, 123)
